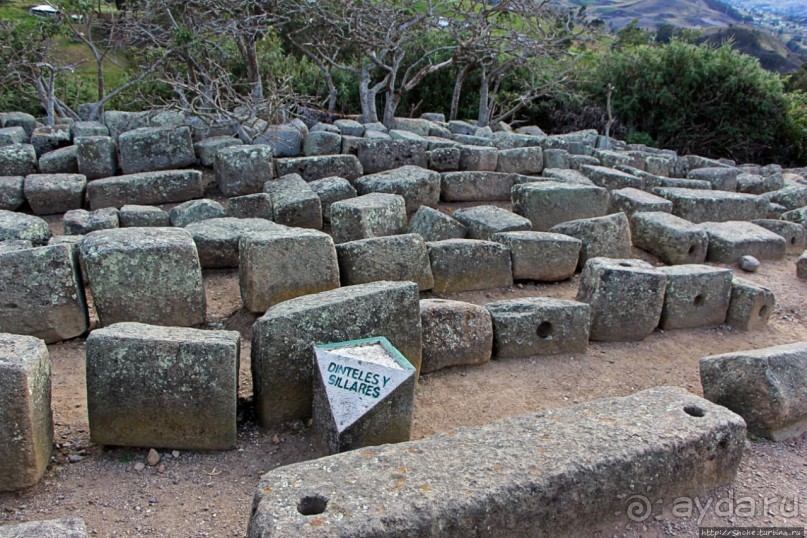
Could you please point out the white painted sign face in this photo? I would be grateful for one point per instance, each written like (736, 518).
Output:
(357, 378)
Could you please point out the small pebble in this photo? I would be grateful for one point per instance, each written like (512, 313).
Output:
(749, 264)
(153, 458)
(74, 458)
(139, 466)
(175, 453)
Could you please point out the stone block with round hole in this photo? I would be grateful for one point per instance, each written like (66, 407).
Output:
(538, 326)
(729, 241)
(751, 305)
(673, 239)
(795, 234)
(696, 296)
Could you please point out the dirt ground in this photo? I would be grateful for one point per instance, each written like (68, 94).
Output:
(189, 494)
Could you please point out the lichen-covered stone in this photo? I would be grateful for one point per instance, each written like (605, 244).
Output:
(18, 160)
(673, 239)
(395, 258)
(542, 256)
(626, 298)
(722, 179)
(764, 386)
(729, 241)
(59, 161)
(434, 225)
(475, 186)
(698, 206)
(24, 227)
(349, 127)
(757, 184)
(251, 206)
(630, 201)
(282, 340)
(485, 220)
(330, 190)
(195, 211)
(54, 193)
(481, 158)
(243, 170)
(207, 149)
(696, 296)
(418, 186)
(795, 235)
(538, 326)
(163, 387)
(528, 160)
(155, 148)
(454, 334)
(148, 188)
(751, 305)
(322, 166)
(444, 159)
(607, 237)
(96, 156)
(294, 202)
(87, 128)
(279, 264)
(217, 239)
(49, 138)
(566, 176)
(140, 216)
(81, 221)
(11, 192)
(548, 203)
(147, 275)
(377, 155)
(322, 143)
(801, 266)
(26, 423)
(556, 158)
(791, 197)
(66, 527)
(469, 264)
(611, 179)
(369, 215)
(285, 140)
(13, 135)
(18, 119)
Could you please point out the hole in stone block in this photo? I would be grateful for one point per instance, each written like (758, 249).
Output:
(544, 330)
(312, 505)
(763, 311)
(698, 301)
(691, 250)
(694, 411)
(626, 264)
(792, 240)
(723, 443)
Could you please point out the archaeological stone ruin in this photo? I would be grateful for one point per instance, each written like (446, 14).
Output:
(365, 258)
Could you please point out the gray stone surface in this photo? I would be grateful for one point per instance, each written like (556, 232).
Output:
(66, 527)
(630, 201)
(748, 264)
(349, 127)
(148, 275)
(538, 326)
(26, 422)
(795, 235)
(11, 192)
(696, 296)
(607, 237)
(294, 202)
(444, 159)
(556, 158)
(284, 263)
(49, 138)
(529, 160)
(418, 186)
(485, 220)
(377, 155)
(18, 160)
(369, 215)
(475, 186)
(455, 333)
(217, 239)
(756, 184)
(282, 340)
(434, 225)
(243, 170)
(120, 122)
(729, 241)
(207, 149)
(23, 227)
(626, 298)
(722, 179)
(162, 387)
(322, 143)
(59, 161)
(54, 193)
(481, 158)
(541, 256)
(469, 264)
(611, 179)
(155, 148)
(801, 266)
(796, 215)
(13, 135)
(594, 451)
(139, 216)
(764, 386)
(18, 119)
(330, 190)
(96, 156)
(318, 167)
(790, 197)
(195, 211)
(87, 128)
(698, 206)
(285, 140)
(251, 206)
(81, 221)
(148, 188)
(751, 305)
(673, 239)
(395, 258)
(548, 203)
(566, 176)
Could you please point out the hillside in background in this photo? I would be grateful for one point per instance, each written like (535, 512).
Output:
(790, 8)
(772, 53)
(651, 13)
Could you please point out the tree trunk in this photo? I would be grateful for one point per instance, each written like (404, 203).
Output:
(455, 97)
(484, 105)
(369, 112)
(249, 50)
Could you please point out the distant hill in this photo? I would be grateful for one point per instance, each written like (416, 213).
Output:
(772, 53)
(651, 13)
(791, 8)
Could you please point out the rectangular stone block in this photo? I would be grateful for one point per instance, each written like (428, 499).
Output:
(673, 239)
(729, 241)
(751, 305)
(22, 227)
(528, 160)
(11, 192)
(611, 179)
(242, 169)
(294, 203)
(163, 387)
(148, 149)
(148, 188)
(396, 257)
(369, 215)
(282, 340)
(454, 334)
(434, 225)
(607, 236)
(475, 186)
(59, 161)
(698, 206)
(322, 166)
(418, 186)
(18, 160)
(485, 220)
(96, 156)
(26, 422)
(48, 194)
(696, 296)
(469, 264)
(721, 178)
(138, 216)
(794, 234)
(541, 256)
(217, 239)
(630, 201)
(595, 453)
(330, 190)
(377, 155)
(66, 527)
(548, 203)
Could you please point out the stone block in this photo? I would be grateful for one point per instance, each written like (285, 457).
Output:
(294, 202)
(96, 156)
(377, 155)
(87, 128)
(791, 197)
(59, 161)
(556, 158)
(469, 264)
(673, 239)
(434, 225)
(13, 135)
(751, 305)
(120, 122)
(418, 186)
(81, 221)
(607, 237)
(322, 143)
(149, 149)
(195, 211)
(395, 258)
(729, 241)
(722, 179)
(566, 176)
(162, 387)
(322, 166)
(251, 206)
(23, 227)
(756, 184)
(369, 215)
(630, 201)
(444, 159)
(519, 465)
(696, 296)
(795, 235)
(18, 160)
(330, 190)
(626, 298)
(49, 138)
(542, 256)
(349, 127)
(66, 527)
(798, 216)
(217, 239)
(698, 206)
(364, 394)
(282, 340)
(611, 179)
(538, 326)
(528, 160)
(12, 194)
(243, 170)
(139, 216)
(801, 266)
(764, 386)
(485, 220)
(18, 119)
(147, 275)
(478, 158)
(279, 264)
(285, 140)
(476, 186)
(54, 193)
(207, 149)
(26, 422)
(547, 203)
(454, 334)
(148, 188)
